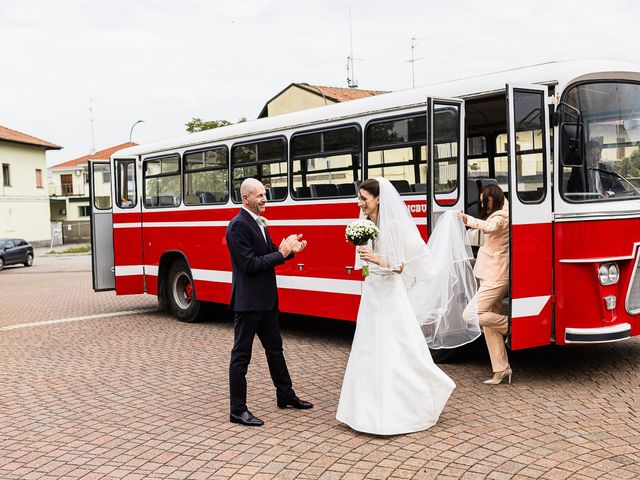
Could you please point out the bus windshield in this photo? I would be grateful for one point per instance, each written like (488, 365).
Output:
(611, 125)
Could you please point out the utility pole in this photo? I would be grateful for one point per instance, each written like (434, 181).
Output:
(93, 140)
(351, 76)
(413, 60)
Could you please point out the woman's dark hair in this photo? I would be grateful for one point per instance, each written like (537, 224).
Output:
(371, 185)
(490, 191)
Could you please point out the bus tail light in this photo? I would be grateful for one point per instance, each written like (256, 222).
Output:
(608, 274)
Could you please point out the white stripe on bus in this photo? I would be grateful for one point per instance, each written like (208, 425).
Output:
(275, 223)
(521, 307)
(528, 306)
(313, 284)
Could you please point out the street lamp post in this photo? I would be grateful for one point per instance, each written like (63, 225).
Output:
(131, 131)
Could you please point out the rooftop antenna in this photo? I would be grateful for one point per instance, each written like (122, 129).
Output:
(93, 140)
(414, 60)
(351, 76)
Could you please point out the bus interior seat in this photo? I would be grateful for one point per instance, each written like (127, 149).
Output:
(236, 195)
(277, 193)
(402, 186)
(347, 189)
(206, 197)
(303, 192)
(420, 188)
(166, 201)
(324, 190)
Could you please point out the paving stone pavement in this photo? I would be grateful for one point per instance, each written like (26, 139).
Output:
(144, 396)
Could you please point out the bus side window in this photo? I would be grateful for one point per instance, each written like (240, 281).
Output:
(397, 149)
(126, 193)
(162, 181)
(530, 149)
(326, 164)
(206, 176)
(265, 160)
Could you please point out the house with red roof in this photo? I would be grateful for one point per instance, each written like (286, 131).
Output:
(69, 191)
(301, 96)
(24, 202)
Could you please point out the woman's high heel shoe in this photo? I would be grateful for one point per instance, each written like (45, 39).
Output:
(499, 376)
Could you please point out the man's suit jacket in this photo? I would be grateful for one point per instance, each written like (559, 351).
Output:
(253, 287)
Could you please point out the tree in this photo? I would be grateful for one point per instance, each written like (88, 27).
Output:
(630, 166)
(198, 125)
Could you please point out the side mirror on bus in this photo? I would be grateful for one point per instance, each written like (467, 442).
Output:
(571, 140)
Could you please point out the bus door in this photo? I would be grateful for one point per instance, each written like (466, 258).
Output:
(127, 228)
(446, 151)
(530, 210)
(101, 226)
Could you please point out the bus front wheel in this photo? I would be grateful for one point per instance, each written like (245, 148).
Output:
(182, 293)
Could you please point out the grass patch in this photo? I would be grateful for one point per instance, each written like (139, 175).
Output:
(78, 249)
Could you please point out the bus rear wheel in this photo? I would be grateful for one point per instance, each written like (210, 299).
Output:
(182, 293)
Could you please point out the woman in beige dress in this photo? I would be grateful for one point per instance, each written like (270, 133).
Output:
(492, 271)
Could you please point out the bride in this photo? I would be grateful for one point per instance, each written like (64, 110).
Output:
(391, 384)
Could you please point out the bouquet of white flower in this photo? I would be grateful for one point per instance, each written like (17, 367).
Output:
(359, 233)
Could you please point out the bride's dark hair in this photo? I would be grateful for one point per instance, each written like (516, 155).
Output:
(371, 185)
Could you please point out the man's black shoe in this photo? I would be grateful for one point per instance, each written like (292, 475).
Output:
(246, 418)
(294, 402)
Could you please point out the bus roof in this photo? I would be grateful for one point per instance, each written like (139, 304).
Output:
(552, 73)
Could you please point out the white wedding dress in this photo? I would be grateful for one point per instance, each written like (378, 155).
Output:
(391, 384)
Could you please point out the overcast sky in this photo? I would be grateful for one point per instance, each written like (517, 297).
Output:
(168, 61)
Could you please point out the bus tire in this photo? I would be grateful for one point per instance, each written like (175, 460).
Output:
(181, 292)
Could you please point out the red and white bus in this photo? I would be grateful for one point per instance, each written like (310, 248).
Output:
(574, 251)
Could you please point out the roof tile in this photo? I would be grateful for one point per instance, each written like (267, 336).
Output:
(9, 135)
(100, 155)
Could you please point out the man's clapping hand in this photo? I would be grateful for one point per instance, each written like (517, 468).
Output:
(292, 244)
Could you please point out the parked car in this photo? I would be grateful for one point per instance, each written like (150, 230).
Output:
(15, 251)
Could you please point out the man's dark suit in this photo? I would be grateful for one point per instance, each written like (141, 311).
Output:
(254, 299)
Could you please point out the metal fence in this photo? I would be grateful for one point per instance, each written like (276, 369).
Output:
(78, 231)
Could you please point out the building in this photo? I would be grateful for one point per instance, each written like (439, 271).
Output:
(69, 192)
(301, 96)
(24, 203)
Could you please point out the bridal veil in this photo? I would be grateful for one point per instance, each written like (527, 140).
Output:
(438, 275)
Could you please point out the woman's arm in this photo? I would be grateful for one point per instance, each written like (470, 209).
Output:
(368, 256)
(486, 226)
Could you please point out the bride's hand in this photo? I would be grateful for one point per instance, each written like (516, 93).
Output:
(399, 269)
(368, 256)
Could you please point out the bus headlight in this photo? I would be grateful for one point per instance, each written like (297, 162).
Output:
(614, 273)
(608, 274)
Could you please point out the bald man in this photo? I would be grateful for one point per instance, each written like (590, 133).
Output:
(254, 299)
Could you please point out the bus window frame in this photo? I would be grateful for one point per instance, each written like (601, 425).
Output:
(542, 150)
(260, 140)
(557, 155)
(160, 175)
(461, 130)
(183, 173)
(402, 116)
(118, 196)
(359, 130)
(93, 204)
